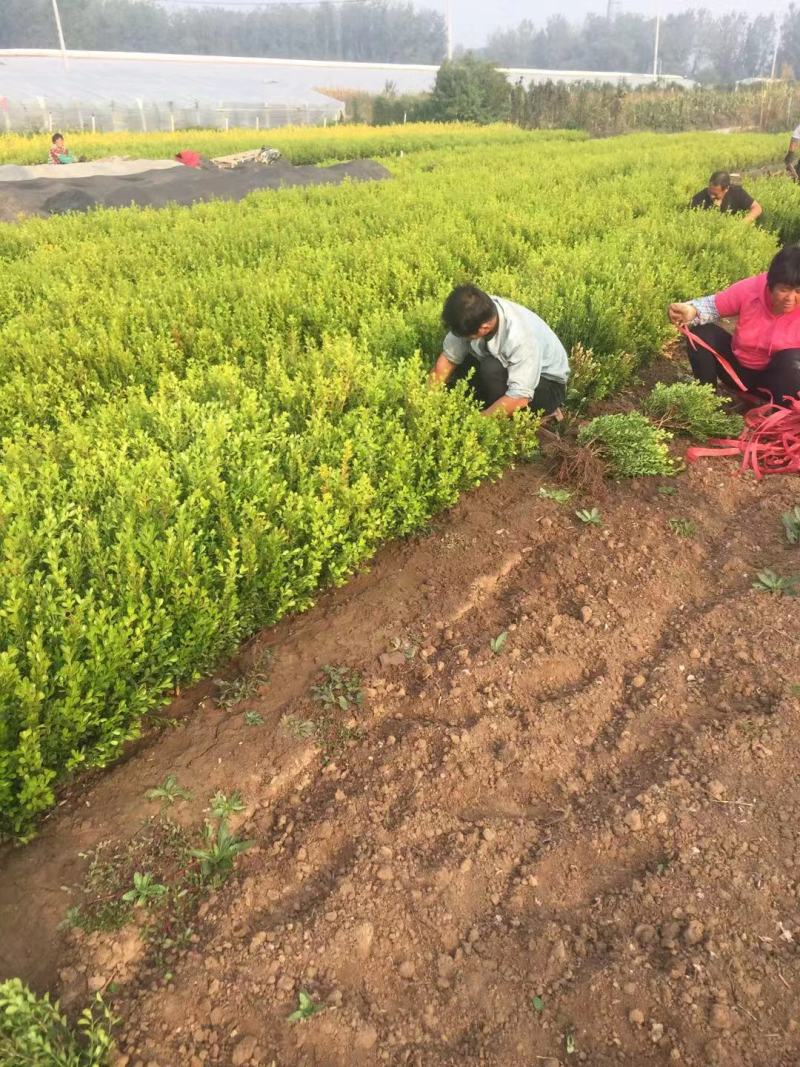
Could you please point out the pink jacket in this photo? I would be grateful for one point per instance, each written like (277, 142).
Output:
(759, 333)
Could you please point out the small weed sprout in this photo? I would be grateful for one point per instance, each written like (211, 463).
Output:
(590, 516)
(537, 1004)
(230, 693)
(297, 727)
(340, 687)
(682, 527)
(767, 581)
(791, 525)
(340, 691)
(561, 496)
(218, 856)
(497, 644)
(144, 890)
(168, 792)
(306, 1007)
(252, 718)
(223, 805)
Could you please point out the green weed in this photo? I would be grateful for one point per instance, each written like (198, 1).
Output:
(253, 718)
(223, 805)
(682, 527)
(497, 644)
(168, 792)
(297, 727)
(590, 516)
(561, 496)
(767, 581)
(233, 692)
(218, 856)
(145, 890)
(306, 1007)
(791, 525)
(340, 687)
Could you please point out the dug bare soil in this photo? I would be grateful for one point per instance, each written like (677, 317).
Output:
(579, 845)
(176, 185)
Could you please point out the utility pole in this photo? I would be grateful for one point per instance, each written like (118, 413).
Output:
(448, 19)
(60, 34)
(655, 46)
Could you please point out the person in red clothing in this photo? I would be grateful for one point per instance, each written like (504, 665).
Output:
(764, 348)
(59, 153)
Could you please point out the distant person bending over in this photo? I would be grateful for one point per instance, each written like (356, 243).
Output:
(765, 347)
(59, 153)
(518, 360)
(790, 159)
(726, 197)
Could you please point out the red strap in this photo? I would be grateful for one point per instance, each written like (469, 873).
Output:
(769, 444)
(694, 341)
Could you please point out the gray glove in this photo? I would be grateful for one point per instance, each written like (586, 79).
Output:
(790, 158)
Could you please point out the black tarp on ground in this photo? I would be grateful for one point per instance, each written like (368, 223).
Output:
(177, 185)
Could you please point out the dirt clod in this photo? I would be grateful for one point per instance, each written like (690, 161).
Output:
(243, 1051)
(633, 820)
(694, 932)
(720, 1017)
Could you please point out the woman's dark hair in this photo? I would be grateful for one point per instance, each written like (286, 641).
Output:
(785, 268)
(467, 309)
(57, 137)
(720, 178)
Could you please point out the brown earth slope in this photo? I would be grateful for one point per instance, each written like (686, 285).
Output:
(580, 849)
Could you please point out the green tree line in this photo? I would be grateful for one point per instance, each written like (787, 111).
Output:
(709, 48)
(374, 30)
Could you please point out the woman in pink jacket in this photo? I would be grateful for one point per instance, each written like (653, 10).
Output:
(764, 349)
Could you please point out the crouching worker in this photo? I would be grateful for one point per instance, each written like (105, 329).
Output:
(727, 198)
(764, 350)
(518, 360)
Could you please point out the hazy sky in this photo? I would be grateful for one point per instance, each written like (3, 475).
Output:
(473, 20)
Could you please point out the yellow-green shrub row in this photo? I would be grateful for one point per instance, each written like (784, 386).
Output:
(209, 414)
(299, 144)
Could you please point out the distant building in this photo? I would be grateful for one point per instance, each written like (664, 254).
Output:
(151, 91)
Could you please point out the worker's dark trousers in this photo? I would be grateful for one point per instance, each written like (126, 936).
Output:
(781, 378)
(490, 382)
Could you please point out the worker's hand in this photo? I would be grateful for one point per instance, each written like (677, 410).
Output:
(790, 158)
(682, 314)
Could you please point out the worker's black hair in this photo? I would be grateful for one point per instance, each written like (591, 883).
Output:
(785, 268)
(57, 137)
(466, 309)
(720, 178)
